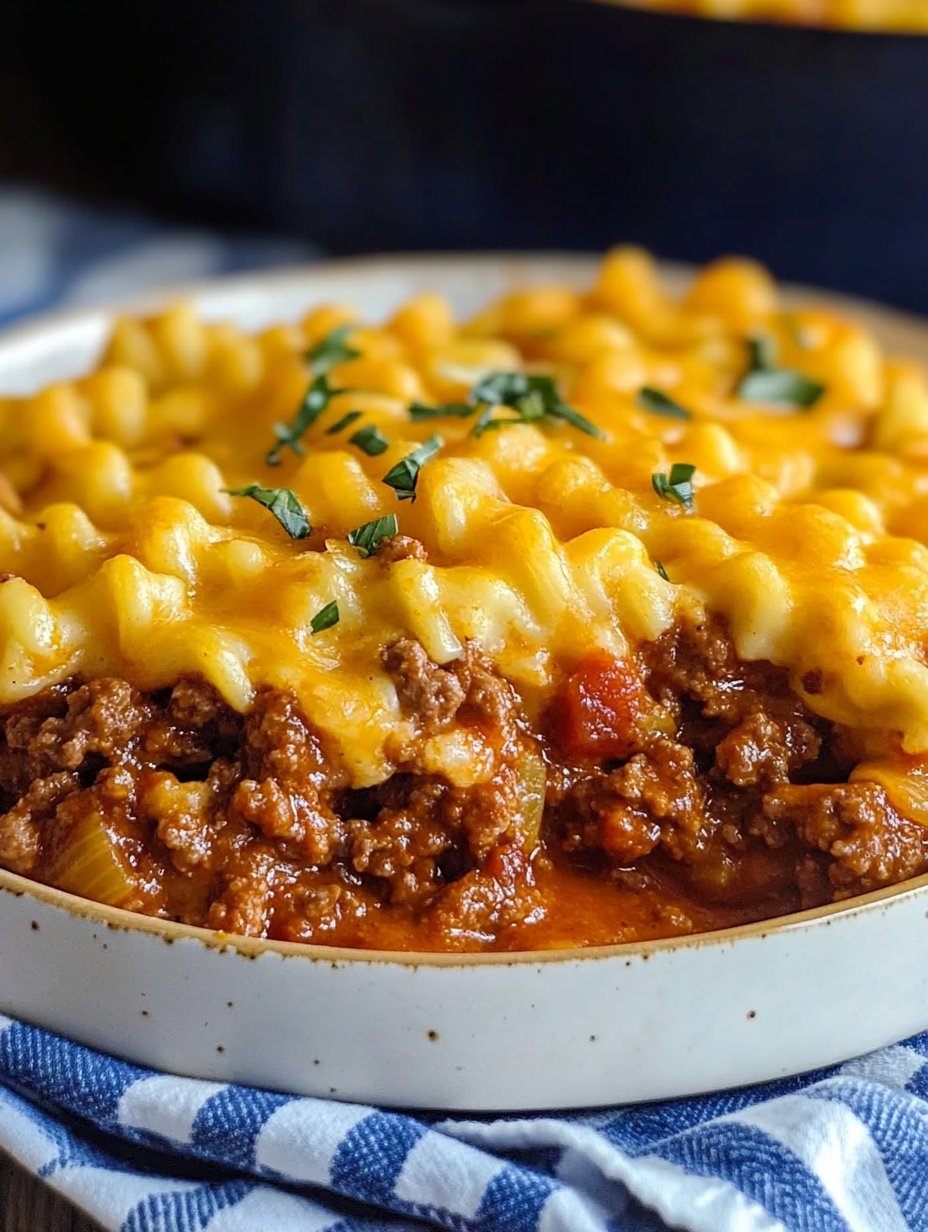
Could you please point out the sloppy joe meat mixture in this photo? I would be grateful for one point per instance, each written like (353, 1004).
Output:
(587, 831)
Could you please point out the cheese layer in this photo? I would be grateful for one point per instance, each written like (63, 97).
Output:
(904, 16)
(124, 554)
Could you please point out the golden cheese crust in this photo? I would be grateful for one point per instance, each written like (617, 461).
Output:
(904, 16)
(542, 541)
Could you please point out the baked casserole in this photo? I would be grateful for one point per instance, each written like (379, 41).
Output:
(899, 16)
(599, 617)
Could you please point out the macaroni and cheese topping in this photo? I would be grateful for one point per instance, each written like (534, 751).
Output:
(598, 616)
(904, 16)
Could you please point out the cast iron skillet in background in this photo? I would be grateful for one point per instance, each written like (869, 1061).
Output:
(392, 124)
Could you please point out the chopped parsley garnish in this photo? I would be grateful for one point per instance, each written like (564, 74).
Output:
(444, 411)
(677, 486)
(371, 440)
(322, 358)
(762, 353)
(289, 436)
(781, 388)
(659, 566)
(345, 422)
(405, 474)
(368, 538)
(659, 403)
(325, 618)
(505, 388)
(282, 503)
(330, 351)
(533, 398)
(765, 382)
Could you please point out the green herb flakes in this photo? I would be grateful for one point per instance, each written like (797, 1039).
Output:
(766, 383)
(282, 503)
(419, 412)
(325, 618)
(677, 486)
(781, 388)
(371, 440)
(322, 358)
(368, 538)
(289, 436)
(659, 403)
(345, 422)
(331, 351)
(405, 474)
(534, 399)
(762, 353)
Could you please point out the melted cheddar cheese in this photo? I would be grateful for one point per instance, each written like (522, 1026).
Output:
(903, 16)
(125, 554)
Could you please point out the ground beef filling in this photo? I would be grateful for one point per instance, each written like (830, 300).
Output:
(173, 804)
(748, 801)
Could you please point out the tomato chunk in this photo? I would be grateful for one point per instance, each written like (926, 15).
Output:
(596, 710)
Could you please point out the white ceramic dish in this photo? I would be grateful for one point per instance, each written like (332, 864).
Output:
(561, 1029)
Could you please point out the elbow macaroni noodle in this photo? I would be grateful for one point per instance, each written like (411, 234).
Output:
(123, 553)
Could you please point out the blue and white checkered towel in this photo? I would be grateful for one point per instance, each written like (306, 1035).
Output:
(843, 1149)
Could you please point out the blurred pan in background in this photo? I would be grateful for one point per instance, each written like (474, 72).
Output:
(906, 16)
(397, 124)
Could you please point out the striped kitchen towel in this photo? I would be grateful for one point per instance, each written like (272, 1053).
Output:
(55, 252)
(842, 1150)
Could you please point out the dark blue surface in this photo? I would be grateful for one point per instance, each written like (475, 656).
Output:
(376, 124)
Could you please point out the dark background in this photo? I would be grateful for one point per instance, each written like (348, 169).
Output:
(428, 124)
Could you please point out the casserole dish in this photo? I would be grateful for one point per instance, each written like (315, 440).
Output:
(639, 1021)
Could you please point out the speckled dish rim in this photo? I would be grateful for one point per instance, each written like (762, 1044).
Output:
(900, 330)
